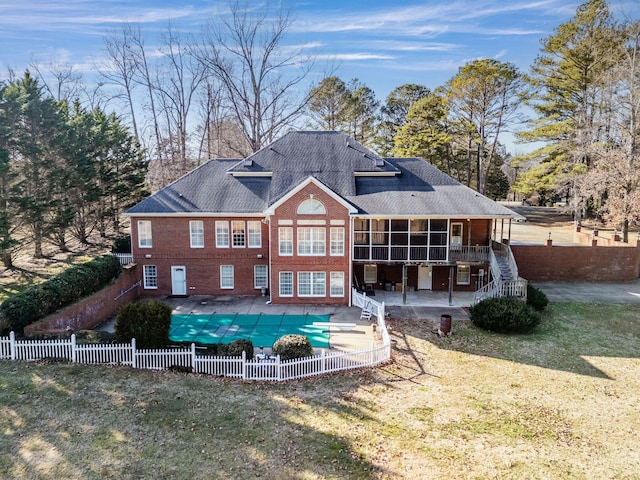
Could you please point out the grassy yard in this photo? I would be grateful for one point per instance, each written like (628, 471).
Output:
(562, 403)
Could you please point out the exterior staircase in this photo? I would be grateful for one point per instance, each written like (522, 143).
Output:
(505, 281)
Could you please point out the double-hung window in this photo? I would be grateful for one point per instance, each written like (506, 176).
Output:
(144, 234)
(285, 241)
(254, 229)
(222, 234)
(312, 284)
(238, 233)
(311, 241)
(286, 284)
(150, 276)
(337, 241)
(260, 276)
(336, 288)
(463, 275)
(196, 233)
(226, 276)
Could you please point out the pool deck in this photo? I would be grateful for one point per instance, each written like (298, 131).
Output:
(359, 338)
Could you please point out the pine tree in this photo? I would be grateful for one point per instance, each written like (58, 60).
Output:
(569, 79)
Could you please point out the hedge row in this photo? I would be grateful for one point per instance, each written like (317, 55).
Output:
(148, 321)
(40, 300)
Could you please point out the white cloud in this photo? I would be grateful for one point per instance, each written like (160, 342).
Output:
(354, 57)
(427, 19)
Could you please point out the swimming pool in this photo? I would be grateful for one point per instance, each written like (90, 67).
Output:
(262, 329)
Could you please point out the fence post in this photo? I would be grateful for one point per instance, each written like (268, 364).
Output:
(12, 340)
(244, 365)
(279, 368)
(193, 357)
(74, 355)
(324, 362)
(133, 353)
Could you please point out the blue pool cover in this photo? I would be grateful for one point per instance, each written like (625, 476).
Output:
(262, 329)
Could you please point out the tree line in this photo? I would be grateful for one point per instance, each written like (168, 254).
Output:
(65, 171)
(236, 85)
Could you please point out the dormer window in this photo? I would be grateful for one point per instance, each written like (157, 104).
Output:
(311, 207)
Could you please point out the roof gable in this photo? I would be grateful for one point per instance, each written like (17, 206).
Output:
(301, 186)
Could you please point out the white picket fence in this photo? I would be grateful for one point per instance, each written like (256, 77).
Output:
(272, 369)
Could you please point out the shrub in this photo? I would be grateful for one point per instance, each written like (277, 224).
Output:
(505, 315)
(40, 300)
(536, 298)
(235, 348)
(292, 346)
(148, 321)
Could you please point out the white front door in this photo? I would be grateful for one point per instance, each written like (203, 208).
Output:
(425, 278)
(178, 281)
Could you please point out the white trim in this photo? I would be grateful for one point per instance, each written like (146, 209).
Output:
(468, 268)
(314, 232)
(175, 268)
(266, 276)
(289, 230)
(244, 234)
(342, 241)
(312, 222)
(337, 222)
(285, 222)
(250, 174)
(321, 186)
(376, 174)
(312, 274)
(280, 284)
(258, 215)
(191, 233)
(248, 234)
(144, 277)
(215, 228)
(233, 278)
(145, 222)
(331, 274)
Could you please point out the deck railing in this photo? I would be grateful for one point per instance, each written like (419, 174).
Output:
(125, 258)
(497, 289)
(478, 253)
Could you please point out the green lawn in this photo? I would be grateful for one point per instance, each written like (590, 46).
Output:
(561, 403)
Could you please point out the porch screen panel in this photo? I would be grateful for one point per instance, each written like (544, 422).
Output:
(419, 239)
(361, 247)
(438, 239)
(399, 239)
(380, 232)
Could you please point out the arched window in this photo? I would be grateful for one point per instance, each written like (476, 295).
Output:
(311, 207)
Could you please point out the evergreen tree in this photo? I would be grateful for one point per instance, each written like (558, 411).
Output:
(569, 79)
(37, 140)
(394, 114)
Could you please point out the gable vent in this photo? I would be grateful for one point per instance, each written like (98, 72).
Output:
(247, 162)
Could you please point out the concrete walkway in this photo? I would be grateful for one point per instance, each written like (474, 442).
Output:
(628, 292)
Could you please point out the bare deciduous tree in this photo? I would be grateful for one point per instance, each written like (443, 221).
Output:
(120, 67)
(259, 74)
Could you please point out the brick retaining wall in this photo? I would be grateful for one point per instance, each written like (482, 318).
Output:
(601, 260)
(89, 312)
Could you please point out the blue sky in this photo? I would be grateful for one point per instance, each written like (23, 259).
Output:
(383, 43)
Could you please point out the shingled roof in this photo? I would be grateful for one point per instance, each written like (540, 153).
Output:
(374, 185)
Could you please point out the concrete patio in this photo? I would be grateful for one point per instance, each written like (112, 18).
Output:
(423, 306)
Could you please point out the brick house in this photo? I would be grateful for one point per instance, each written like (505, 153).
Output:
(308, 217)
